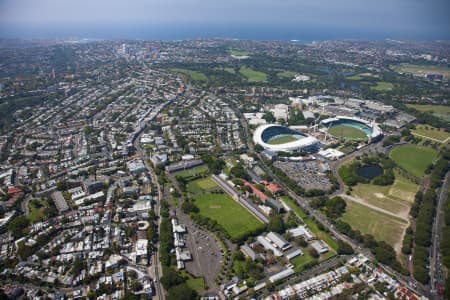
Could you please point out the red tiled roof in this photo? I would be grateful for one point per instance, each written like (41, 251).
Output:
(257, 192)
(14, 190)
(274, 188)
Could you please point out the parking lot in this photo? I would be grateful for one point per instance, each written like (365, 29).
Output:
(207, 256)
(308, 174)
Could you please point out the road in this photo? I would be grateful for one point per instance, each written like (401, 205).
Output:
(437, 277)
(155, 269)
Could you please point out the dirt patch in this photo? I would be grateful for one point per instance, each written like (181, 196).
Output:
(379, 195)
(215, 206)
(405, 196)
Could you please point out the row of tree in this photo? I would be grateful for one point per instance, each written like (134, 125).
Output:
(445, 245)
(424, 209)
(165, 238)
(173, 282)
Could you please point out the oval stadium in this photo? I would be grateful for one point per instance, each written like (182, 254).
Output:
(281, 138)
(350, 128)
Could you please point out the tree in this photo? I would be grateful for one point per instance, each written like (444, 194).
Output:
(171, 278)
(269, 117)
(344, 248)
(61, 186)
(347, 277)
(215, 164)
(335, 207)
(300, 241)
(132, 275)
(238, 171)
(447, 289)
(181, 292)
(77, 266)
(18, 226)
(136, 286)
(313, 252)
(276, 223)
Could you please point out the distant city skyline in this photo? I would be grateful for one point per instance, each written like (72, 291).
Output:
(176, 19)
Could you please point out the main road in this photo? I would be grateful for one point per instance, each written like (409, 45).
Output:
(437, 278)
(155, 270)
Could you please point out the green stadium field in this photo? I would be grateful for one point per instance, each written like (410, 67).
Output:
(282, 140)
(347, 133)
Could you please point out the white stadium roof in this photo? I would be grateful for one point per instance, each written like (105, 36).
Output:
(300, 144)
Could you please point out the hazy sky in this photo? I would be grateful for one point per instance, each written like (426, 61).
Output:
(421, 19)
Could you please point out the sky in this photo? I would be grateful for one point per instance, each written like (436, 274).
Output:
(253, 19)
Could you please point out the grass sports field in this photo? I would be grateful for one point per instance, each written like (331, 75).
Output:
(193, 75)
(368, 221)
(253, 75)
(286, 74)
(347, 132)
(192, 172)
(238, 52)
(440, 111)
(362, 76)
(234, 218)
(282, 140)
(396, 198)
(229, 70)
(201, 185)
(421, 69)
(432, 133)
(414, 159)
(382, 86)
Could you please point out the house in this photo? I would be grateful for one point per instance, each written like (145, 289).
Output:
(275, 204)
(268, 246)
(302, 231)
(278, 241)
(247, 251)
(320, 247)
(136, 166)
(129, 191)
